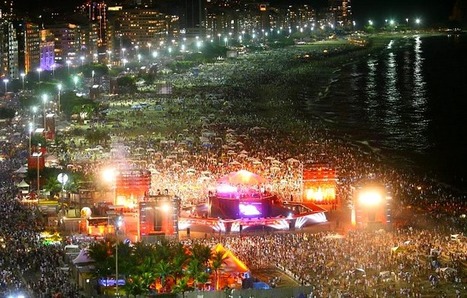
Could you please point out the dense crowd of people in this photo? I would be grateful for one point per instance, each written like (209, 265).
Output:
(208, 135)
(360, 263)
(28, 267)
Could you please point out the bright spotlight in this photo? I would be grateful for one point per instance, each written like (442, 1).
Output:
(370, 198)
(165, 208)
(109, 174)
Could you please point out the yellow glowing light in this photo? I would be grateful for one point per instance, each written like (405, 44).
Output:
(370, 198)
(109, 175)
(320, 193)
(165, 208)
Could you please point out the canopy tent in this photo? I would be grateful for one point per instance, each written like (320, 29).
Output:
(21, 170)
(242, 177)
(23, 186)
(231, 262)
(82, 258)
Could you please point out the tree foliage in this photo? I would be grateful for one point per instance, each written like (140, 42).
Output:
(167, 265)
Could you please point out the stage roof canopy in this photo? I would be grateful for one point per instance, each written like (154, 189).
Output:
(242, 177)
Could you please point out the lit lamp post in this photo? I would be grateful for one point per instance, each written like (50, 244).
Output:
(123, 53)
(63, 179)
(31, 127)
(59, 87)
(38, 155)
(82, 60)
(39, 70)
(75, 80)
(53, 70)
(118, 224)
(109, 53)
(22, 75)
(68, 62)
(44, 100)
(5, 81)
(34, 111)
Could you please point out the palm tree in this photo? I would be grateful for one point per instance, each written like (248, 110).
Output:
(197, 271)
(182, 286)
(52, 185)
(101, 252)
(179, 259)
(217, 260)
(202, 253)
(163, 270)
(135, 285)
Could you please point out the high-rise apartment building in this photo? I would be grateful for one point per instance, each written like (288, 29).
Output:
(96, 12)
(27, 35)
(67, 42)
(8, 50)
(6, 9)
(47, 50)
(140, 26)
(341, 13)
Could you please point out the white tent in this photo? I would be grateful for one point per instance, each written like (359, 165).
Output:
(82, 258)
(23, 187)
(21, 170)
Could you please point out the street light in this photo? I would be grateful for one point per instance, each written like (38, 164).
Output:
(75, 80)
(39, 70)
(22, 78)
(34, 111)
(109, 53)
(53, 70)
(63, 179)
(44, 100)
(82, 60)
(31, 127)
(6, 85)
(59, 87)
(68, 62)
(118, 224)
(38, 155)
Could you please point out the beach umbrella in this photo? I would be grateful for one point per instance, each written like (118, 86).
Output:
(293, 160)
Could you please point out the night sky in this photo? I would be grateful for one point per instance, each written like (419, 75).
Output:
(431, 11)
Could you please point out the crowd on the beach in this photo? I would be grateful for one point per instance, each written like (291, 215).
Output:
(359, 263)
(28, 267)
(212, 135)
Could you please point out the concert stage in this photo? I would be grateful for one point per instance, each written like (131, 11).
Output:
(239, 203)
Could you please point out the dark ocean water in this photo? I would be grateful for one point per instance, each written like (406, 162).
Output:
(410, 102)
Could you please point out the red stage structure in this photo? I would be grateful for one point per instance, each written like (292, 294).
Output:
(319, 185)
(134, 184)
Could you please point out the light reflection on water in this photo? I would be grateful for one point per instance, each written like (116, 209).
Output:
(407, 100)
(382, 99)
